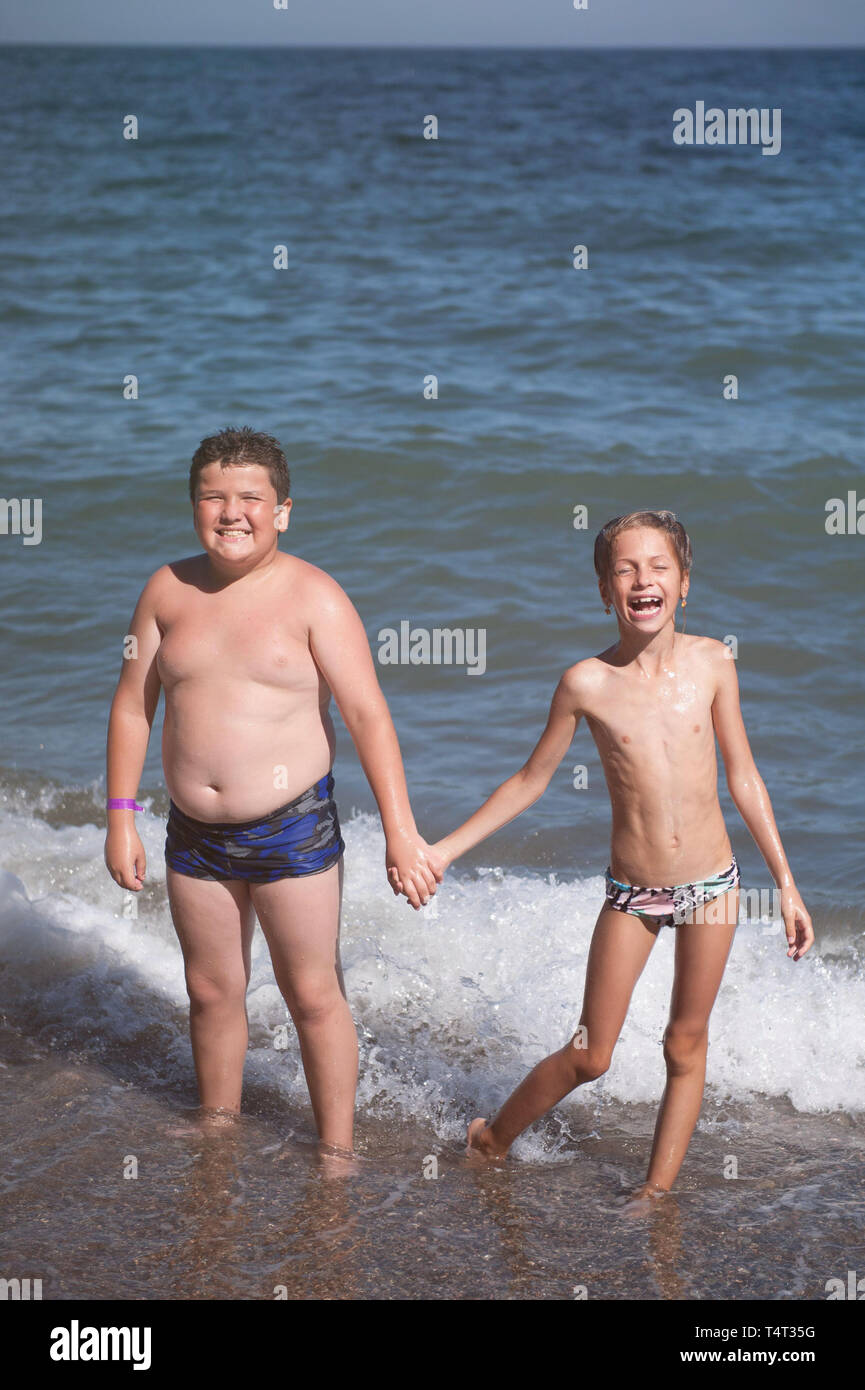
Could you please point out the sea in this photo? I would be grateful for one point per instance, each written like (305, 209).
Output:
(374, 255)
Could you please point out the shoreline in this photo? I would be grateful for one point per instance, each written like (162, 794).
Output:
(240, 1211)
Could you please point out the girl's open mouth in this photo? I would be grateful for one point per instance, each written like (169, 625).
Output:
(645, 607)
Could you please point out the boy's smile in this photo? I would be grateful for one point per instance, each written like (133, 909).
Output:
(232, 533)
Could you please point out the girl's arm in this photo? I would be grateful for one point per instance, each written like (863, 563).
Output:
(533, 778)
(339, 645)
(752, 802)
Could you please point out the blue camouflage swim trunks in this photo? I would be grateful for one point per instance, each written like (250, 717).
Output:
(300, 838)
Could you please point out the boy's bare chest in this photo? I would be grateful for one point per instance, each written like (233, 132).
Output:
(214, 637)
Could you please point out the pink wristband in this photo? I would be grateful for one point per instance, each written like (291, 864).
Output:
(123, 803)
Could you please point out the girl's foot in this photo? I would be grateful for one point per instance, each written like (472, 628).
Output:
(479, 1142)
(644, 1199)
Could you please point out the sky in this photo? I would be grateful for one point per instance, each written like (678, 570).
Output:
(487, 23)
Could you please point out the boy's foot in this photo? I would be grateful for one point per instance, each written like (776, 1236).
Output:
(217, 1115)
(337, 1162)
(202, 1120)
(479, 1142)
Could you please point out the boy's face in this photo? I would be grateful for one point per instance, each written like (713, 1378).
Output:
(645, 582)
(235, 512)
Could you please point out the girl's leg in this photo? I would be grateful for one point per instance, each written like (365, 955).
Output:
(702, 948)
(620, 948)
(214, 922)
(300, 918)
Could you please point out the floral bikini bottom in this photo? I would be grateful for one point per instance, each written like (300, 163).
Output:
(669, 907)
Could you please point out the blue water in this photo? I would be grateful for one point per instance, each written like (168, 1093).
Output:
(556, 386)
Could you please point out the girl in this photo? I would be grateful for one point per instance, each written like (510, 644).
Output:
(654, 701)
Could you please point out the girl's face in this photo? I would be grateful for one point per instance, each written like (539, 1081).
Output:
(645, 582)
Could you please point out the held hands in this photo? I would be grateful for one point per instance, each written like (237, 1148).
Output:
(797, 924)
(414, 868)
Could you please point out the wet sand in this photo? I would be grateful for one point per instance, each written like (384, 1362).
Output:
(248, 1210)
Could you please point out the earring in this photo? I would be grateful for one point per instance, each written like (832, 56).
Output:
(607, 608)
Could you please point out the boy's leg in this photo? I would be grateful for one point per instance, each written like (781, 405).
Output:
(702, 948)
(300, 918)
(214, 922)
(619, 950)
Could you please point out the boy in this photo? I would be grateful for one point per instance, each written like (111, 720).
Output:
(654, 702)
(249, 645)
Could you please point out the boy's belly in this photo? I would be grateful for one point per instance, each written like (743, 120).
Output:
(224, 765)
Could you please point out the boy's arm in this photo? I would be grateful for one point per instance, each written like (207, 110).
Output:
(751, 800)
(525, 787)
(339, 645)
(130, 721)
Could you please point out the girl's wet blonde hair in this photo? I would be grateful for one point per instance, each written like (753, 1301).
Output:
(659, 521)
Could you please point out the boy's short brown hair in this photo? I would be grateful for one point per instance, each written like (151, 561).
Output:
(660, 521)
(232, 447)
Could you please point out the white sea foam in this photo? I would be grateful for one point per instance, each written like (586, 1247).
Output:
(453, 1003)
